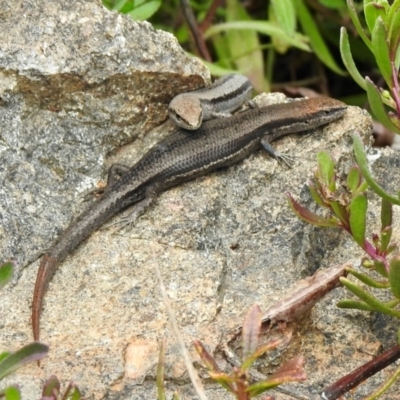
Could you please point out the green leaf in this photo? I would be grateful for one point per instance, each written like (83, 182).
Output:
(176, 396)
(368, 298)
(358, 215)
(206, 357)
(375, 101)
(334, 4)
(6, 271)
(119, 5)
(76, 394)
(285, 14)
(368, 280)
(12, 393)
(263, 27)
(317, 42)
(292, 371)
(212, 366)
(362, 163)
(216, 70)
(276, 45)
(394, 117)
(356, 22)
(270, 345)
(341, 212)
(380, 48)
(261, 386)
(392, 303)
(391, 248)
(363, 187)
(394, 276)
(4, 355)
(397, 57)
(224, 380)
(393, 27)
(372, 11)
(347, 59)
(144, 10)
(308, 216)
(71, 393)
(51, 387)
(316, 196)
(386, 235)
(354, 304)
(354, 179)
(326, 169)
(380, 267)
(31, 352)
(240, 42)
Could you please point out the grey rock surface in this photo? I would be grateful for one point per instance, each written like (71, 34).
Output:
(77, 83)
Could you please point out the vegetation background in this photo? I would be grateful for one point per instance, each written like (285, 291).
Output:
(281, 45)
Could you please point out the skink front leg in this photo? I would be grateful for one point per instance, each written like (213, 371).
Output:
(287, 159)
(114, 173)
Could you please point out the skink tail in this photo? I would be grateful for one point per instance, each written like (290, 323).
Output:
(46, 270)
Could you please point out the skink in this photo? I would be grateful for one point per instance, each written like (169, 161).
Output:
(225, 95)
(178, 158)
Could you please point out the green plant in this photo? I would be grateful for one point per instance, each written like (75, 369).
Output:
(11, 361)
(51, 390)
(238, 381)
(383, 39)
(346, 203)
(137, 9)
(231, 38)
(6, 271)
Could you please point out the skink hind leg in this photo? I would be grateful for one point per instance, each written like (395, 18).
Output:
(137, 209)
(287, 159)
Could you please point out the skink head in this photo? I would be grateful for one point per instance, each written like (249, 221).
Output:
(186, 111)
(322, 110)
(303, 115)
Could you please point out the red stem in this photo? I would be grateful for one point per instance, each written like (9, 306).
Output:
(348, 382)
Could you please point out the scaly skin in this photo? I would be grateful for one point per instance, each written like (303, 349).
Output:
(180, 157)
